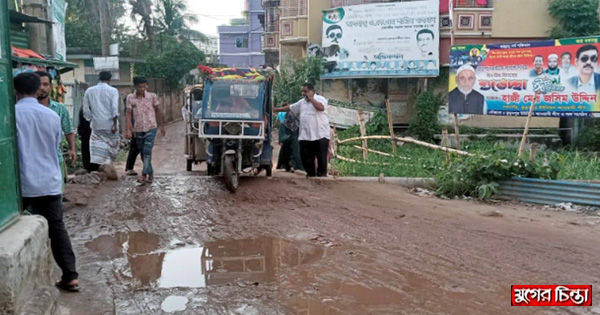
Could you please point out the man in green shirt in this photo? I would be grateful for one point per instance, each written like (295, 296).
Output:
(65, 119)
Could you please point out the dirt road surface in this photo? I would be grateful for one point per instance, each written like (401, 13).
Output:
(288, 245)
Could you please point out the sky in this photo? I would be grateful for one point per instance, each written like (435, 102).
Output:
(212, 13)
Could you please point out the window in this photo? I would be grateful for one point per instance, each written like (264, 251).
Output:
(445, 22)
(485, 21)
(241, 43)
(465, 21)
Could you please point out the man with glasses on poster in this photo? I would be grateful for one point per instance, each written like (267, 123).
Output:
(588, 80)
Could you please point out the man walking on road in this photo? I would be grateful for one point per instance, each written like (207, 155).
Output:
(65, 121)
(143, 107)
(101, 109)
(314, 130)
(38, 136)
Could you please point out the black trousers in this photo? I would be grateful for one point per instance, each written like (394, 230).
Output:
(134, 151)
(50, 207)
(86, 156)
(311, 150)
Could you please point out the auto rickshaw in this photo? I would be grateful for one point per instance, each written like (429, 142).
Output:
(236, 121)
(195, 147)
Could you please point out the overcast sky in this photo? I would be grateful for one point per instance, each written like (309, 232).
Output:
(212, 13)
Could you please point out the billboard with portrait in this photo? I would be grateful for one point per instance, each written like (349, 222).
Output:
(398, 39)
(504, 79)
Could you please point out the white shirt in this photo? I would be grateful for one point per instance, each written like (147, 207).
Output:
(314, 124)
(589, 88)
(101, 106)
(39, 133)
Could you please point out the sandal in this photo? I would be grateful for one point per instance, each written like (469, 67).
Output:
(131, 173)
(67, 287)
(142, 179)
(150, 179)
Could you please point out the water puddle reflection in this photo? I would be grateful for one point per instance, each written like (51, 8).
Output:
(255, 260)
(174, 303)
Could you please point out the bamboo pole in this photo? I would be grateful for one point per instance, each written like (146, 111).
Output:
(361, 162)
(456, 130)
(526, 131)
(372, 151)
(363, 133)
(445, 143)
(391, 123)
(407, 140)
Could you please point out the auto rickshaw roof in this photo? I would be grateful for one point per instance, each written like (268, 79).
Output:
(239, 74)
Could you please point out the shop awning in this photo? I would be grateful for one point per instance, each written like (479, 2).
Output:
(30, 57)
(24, 18)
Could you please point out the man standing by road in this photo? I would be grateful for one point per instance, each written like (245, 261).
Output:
(101, 109)
(38, 135)
(314, 130)
(143, 105)
(65, 121)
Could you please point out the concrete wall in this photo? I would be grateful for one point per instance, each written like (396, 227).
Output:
(519, 18)
(315, 19)
(26, 268)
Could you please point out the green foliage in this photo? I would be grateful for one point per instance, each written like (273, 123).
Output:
(82, 23)
(293, 73)
(478, 176)
(177, 59)
(575, 18)
(424, 123)
(589, 135)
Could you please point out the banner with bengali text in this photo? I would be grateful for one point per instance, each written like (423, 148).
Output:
(503, 79)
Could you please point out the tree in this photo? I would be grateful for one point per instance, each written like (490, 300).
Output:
(173, 19)
(145, 26)
(288, 84)
(575, 18)
(83, 19)
(178, 58)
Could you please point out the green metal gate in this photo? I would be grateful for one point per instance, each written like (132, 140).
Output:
(9, 171)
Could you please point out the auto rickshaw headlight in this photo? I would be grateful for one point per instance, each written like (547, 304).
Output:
(233, 128)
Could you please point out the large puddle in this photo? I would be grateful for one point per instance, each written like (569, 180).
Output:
(255, 260)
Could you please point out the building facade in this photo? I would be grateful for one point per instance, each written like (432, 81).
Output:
(240, 45)
(270, 40)
(210, 48)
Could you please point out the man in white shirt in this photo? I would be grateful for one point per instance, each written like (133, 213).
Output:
(39, 133)
(314, 130)
(101, 109)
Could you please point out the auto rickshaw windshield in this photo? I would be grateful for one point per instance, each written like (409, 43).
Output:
(234, 100)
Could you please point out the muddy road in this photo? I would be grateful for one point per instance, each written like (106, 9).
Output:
(288, 245)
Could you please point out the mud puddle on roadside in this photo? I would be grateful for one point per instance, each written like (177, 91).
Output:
(246, 261)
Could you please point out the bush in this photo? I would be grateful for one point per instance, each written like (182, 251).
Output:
(479, 176)
(288, 84)
(424, 123)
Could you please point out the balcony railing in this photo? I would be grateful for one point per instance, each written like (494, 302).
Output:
(292, 8)
(473, 3)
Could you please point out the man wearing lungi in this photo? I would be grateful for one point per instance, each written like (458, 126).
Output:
(101, 109)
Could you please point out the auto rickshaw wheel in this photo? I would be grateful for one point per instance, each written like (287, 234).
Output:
(269, 169)
(189, 165)
(230, 173)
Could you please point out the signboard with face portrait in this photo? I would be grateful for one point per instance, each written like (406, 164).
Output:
(504, 79)
(398, 39)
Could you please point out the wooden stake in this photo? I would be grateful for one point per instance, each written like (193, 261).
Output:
(456, 131)
(407, 140)
(363, 133)
(533, 152)
(526, 131)
(390, 123)
(445, 143)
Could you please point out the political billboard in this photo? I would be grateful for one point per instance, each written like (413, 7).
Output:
(504, 79)
(399, 39)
